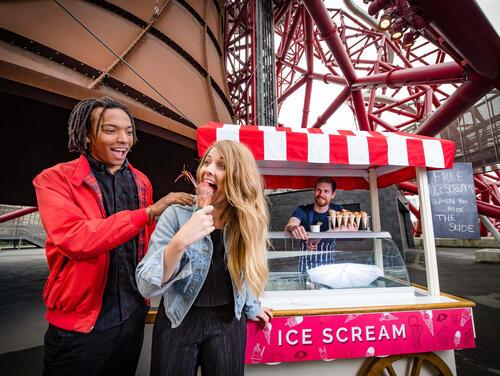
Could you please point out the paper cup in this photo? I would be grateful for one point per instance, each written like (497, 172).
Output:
(315, 228)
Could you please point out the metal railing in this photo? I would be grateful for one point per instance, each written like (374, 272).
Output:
(26, 228)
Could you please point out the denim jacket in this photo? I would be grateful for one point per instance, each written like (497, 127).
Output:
(183, 287)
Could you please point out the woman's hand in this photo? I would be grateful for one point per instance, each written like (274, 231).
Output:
(264, 316)
(199, 225)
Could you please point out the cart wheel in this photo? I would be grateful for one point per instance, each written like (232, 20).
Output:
(377, 366)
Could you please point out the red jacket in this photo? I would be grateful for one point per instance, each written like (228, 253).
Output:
(79, 238)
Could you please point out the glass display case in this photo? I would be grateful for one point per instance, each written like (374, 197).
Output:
(355, 267)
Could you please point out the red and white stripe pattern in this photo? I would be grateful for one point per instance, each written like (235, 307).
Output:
(335, 147)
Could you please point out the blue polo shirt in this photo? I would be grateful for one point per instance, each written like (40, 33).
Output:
(308, 217)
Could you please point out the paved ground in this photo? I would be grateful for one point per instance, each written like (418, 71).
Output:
(23, 273)
(459, 275)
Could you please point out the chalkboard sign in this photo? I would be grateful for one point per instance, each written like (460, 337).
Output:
(453, 202)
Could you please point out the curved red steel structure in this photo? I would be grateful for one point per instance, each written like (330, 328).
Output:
(419, 82)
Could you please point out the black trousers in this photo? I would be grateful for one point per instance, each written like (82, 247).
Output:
(114, 351)
(209, 337)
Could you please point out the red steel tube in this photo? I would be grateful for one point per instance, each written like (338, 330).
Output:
(379, 121)
(292, 89)
(464, 97)
(414, 210)
(431, 74)
(309, 50)
(17, 213)
(328, 29)
(327, 78)
(359, 108)
(336, 103)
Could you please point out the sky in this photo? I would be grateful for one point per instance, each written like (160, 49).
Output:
(323, 94)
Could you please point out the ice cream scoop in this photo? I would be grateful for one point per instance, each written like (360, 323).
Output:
(204, 193)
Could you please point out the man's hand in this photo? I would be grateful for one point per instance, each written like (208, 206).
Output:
(180, 198)
(298, 232)
(264, 316)
(312, 244)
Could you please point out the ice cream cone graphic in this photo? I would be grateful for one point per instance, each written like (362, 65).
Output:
(352, 317)
(323, 353)
(267, 332)
(456, 339)
(386, 316)
(466, 315)
(294, 321)
(257, 353)
(427, 318)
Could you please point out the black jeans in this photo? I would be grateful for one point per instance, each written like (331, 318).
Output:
(210, 337)
(114, 351)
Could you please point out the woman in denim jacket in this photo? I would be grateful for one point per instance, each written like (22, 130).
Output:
(209, 266)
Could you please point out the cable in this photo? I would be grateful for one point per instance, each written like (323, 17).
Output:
(122, 60)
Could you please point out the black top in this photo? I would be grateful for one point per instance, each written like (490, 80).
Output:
(217, 289)
(121, 296)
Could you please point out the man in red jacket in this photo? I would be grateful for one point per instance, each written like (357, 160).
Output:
(99, 214)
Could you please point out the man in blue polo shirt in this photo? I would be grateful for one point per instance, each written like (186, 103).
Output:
(304, 216)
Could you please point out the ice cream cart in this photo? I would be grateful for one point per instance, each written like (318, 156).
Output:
(362, 316)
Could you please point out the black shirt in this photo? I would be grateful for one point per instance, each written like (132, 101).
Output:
(217, 290)
(121, 297)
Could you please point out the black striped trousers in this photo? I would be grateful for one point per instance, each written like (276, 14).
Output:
(210, 337)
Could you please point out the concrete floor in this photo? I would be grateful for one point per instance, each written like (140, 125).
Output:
(23, 273)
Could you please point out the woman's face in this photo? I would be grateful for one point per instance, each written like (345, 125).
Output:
(213, 171)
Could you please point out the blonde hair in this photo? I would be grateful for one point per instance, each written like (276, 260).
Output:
(246, 217)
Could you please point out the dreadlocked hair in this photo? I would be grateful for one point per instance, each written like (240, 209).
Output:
(80, 121)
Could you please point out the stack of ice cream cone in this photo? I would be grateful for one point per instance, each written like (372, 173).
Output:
(346, 220)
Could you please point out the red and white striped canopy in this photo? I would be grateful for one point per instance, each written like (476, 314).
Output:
(294, 158)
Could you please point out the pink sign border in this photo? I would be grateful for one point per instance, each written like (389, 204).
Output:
(328, 337)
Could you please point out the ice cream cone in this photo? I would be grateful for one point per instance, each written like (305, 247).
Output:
(333, 219)
(357, 219)
(345, 218)
(204, 193)
(350, 220)
(364, 220)
(339, 219)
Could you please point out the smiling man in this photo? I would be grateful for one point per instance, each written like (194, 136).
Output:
(99, 214)
(304, 216)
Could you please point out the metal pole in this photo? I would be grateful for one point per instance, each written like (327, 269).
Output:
(17, 213)
(431, 268)
(379, 260)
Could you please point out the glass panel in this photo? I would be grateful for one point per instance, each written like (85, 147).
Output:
(330, 263)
